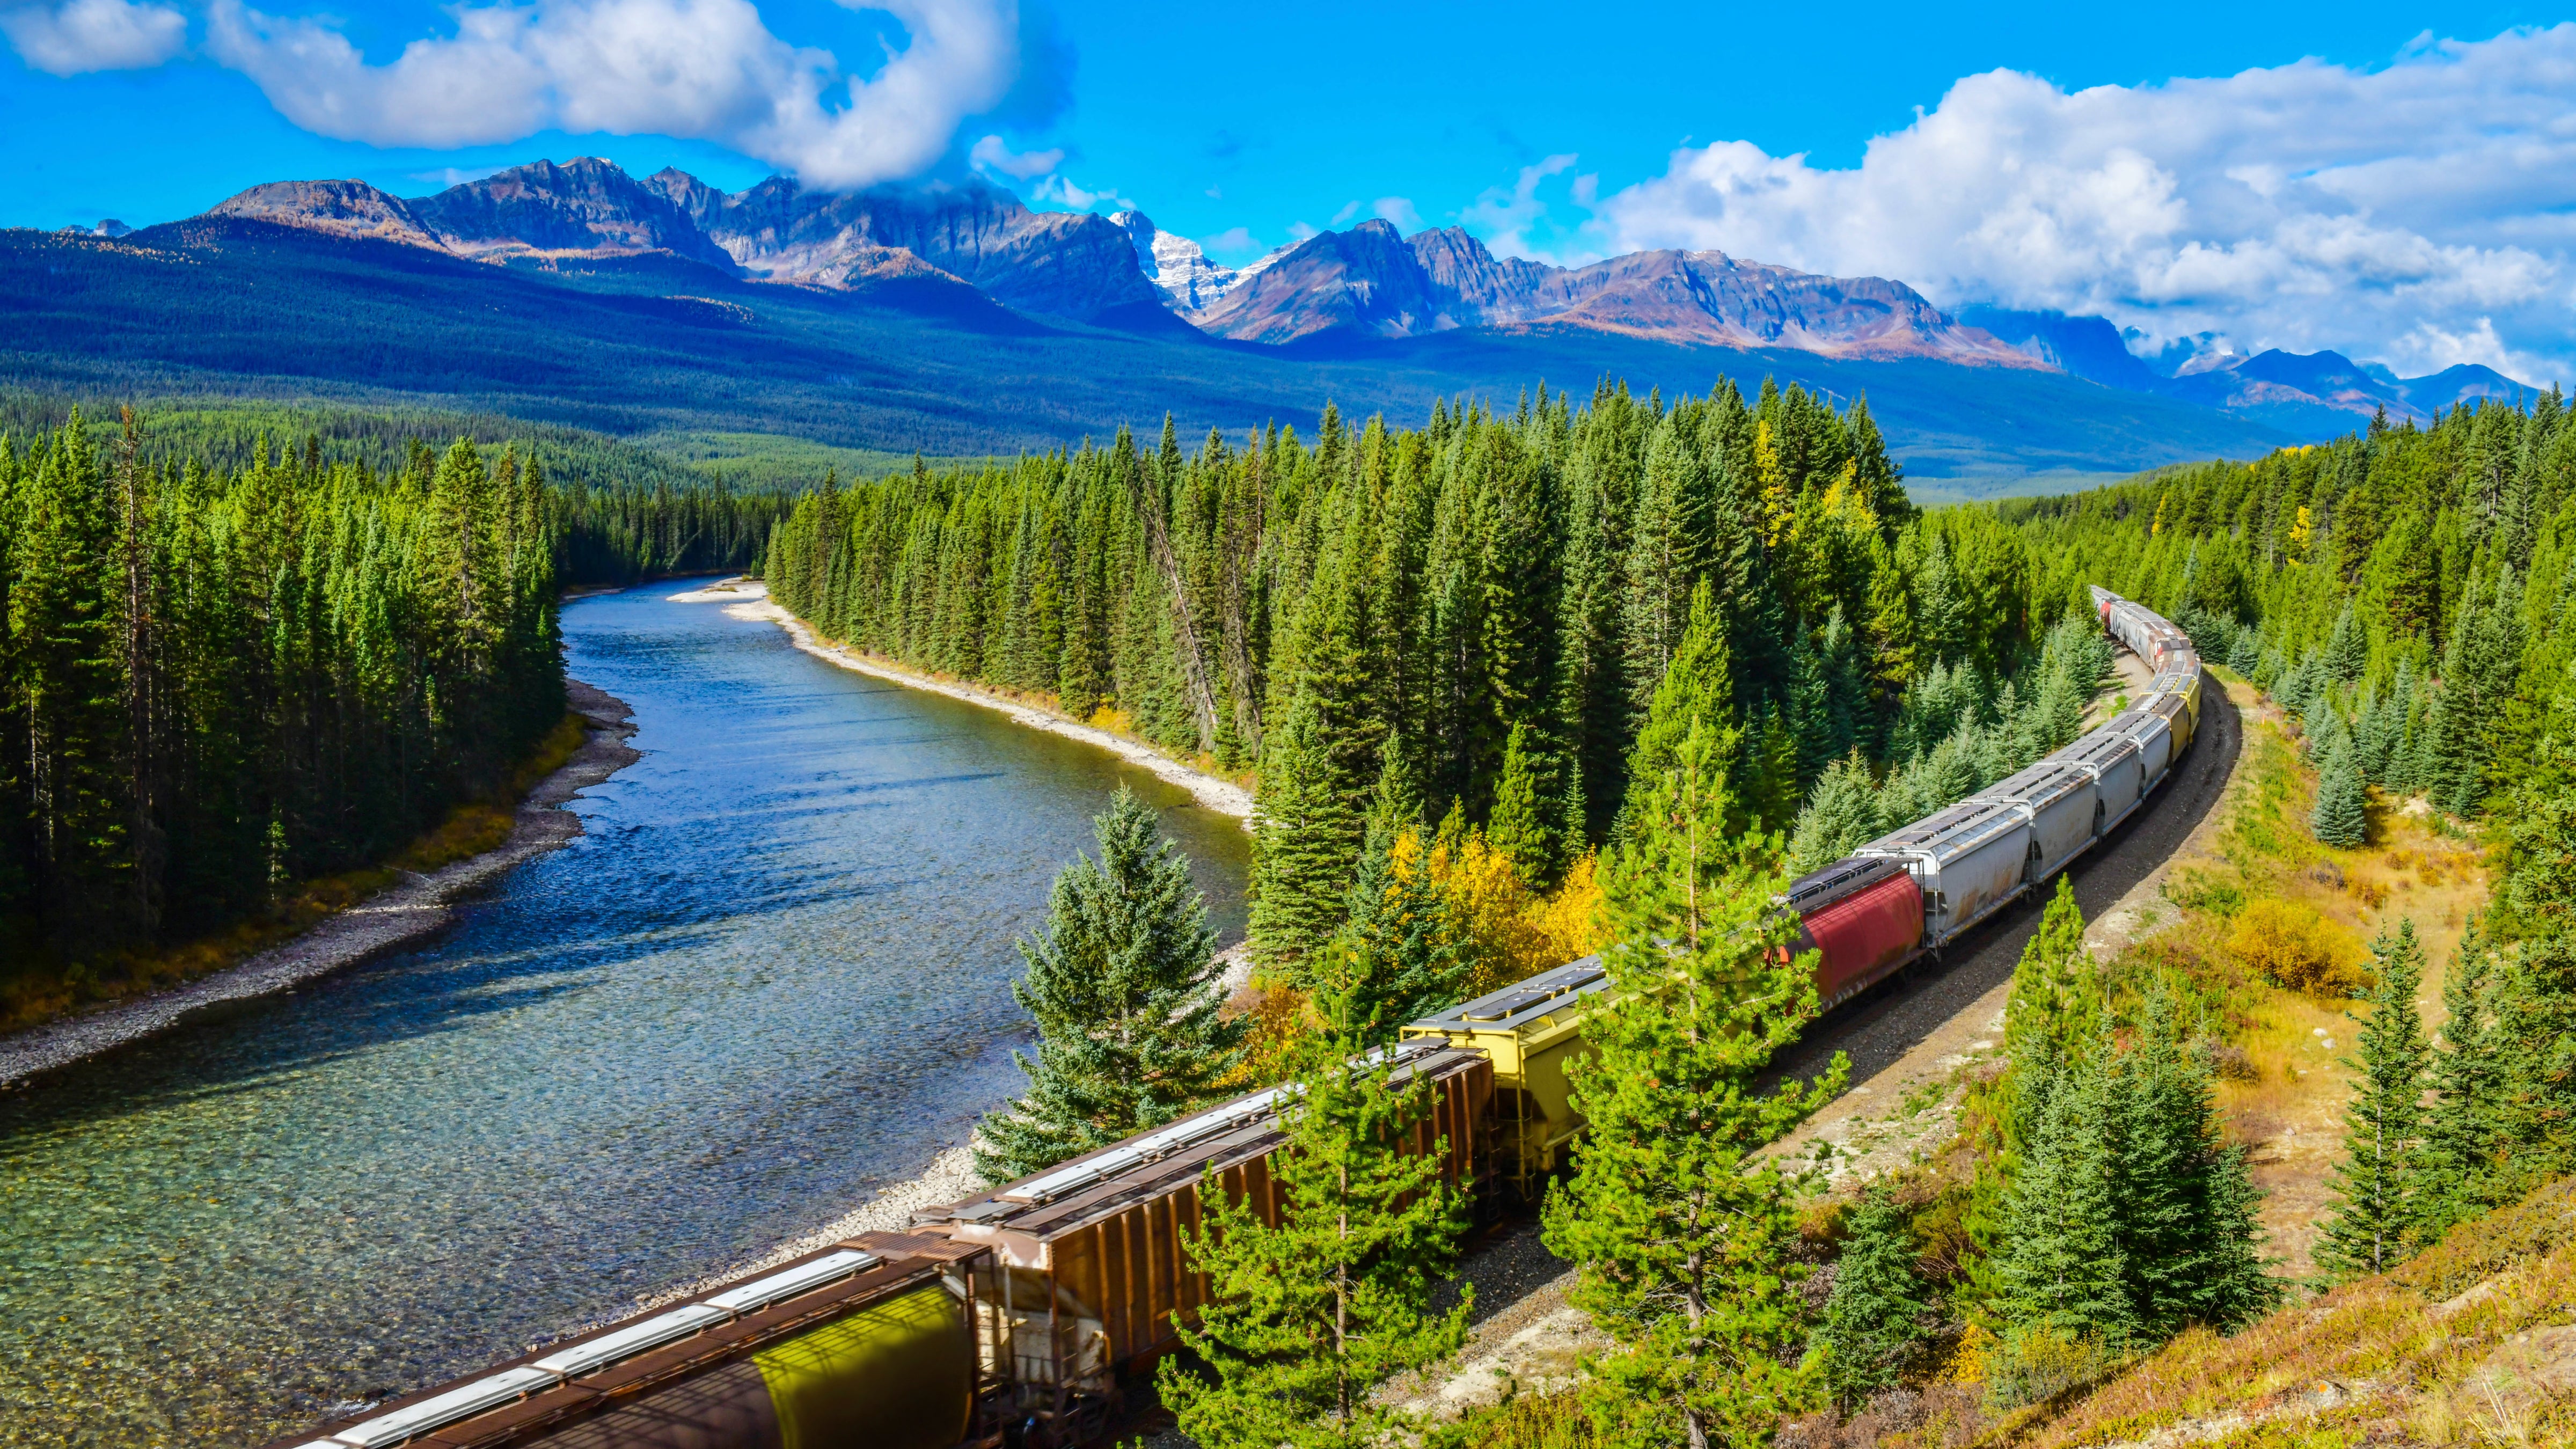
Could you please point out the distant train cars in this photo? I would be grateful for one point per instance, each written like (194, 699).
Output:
(1914, 889)
(1018, 1316)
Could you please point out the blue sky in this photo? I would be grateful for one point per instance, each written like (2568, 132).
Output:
(2394, 181)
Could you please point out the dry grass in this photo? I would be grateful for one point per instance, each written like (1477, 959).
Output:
(2271, 929)
(2456, 1346)
(41, 993)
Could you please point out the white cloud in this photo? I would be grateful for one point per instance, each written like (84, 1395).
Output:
(1398, 210)
(993, 155)
(1504, 217)
(2418, 210)
(1065, 193)
(1350, 210)
(1233, 240)
(78, 36)
(704, 69)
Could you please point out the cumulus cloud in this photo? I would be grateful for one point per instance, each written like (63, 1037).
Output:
(2417, 211)
(1398, 210)
(993, 155)
(1504, 215)
(78, 36)
(704, 69)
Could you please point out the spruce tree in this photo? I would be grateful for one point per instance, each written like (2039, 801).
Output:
(1695, 692)
(2188, 1235)
(1123, 985)
(2055, 1008)
(1683, 1243)
(1872, 1317)
(1519, 827)
(1300, 862)
(2377, 1183)
(1839, 817)
(1309, 1314)
(2342, 816)
(2060, 1266)
(2347, 649)
(2461, 1130)
(1401, 957)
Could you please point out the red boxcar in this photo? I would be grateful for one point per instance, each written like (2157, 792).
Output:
(1864, 916)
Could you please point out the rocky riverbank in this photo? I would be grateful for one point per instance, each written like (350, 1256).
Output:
(749, 599)
(399, 916)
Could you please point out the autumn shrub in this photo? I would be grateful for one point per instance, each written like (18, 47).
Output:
(1511, 930)
(2293, 946)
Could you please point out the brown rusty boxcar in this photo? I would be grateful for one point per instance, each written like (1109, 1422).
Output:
(1090, 1264)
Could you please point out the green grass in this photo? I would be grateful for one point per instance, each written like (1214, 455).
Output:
(775, 460)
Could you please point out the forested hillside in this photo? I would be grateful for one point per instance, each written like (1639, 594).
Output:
(1475, 616)
(219, 681)
(233, 663)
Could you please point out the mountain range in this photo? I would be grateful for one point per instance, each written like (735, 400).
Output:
(2314, 395)
(956, 319)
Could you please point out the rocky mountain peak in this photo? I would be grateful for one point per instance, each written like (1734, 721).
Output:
(1179, 267)
(585, 207)
(338, 208)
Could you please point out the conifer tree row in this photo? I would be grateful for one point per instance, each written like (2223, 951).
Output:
(213, 682)
(1476, 614)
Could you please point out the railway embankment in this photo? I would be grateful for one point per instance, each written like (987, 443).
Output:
(412, 910)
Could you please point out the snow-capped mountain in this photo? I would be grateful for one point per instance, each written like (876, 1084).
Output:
(1180, 267)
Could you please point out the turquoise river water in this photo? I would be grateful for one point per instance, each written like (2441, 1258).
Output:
(771, 977)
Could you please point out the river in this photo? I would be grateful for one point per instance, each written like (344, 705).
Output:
(772, 977)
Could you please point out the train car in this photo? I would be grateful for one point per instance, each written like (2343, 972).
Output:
(1529, 1031)
(2058, 797)
(871, 1340)
(2177, 715)
(2182, 681)
(1089, 1254)
(2118, 771)
(1864, 919)
(2154, 736)
(1967, 860)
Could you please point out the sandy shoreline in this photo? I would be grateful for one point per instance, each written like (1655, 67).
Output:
(396, 917)
(749, 599)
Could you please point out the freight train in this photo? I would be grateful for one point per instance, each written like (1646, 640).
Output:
(1016, 1317)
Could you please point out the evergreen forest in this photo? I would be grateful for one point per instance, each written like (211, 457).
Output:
(284, 663)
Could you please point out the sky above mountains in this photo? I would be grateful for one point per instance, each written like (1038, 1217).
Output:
(2392, 182)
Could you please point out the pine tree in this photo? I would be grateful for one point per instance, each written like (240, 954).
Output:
(1682, 1243)
(1123, 985)
(1519, 827)
(1309, 1314)
(1839, 817)
(2342, 816)
(2461, 1136)
(1872, 1317)
(1401, 957)
(2060, 1265)
(2377, 1182)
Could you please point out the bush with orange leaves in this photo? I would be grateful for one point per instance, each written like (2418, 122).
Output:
(2293, 946)
(1509, 931)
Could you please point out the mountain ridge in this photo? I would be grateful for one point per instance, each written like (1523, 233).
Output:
(1369, 281)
